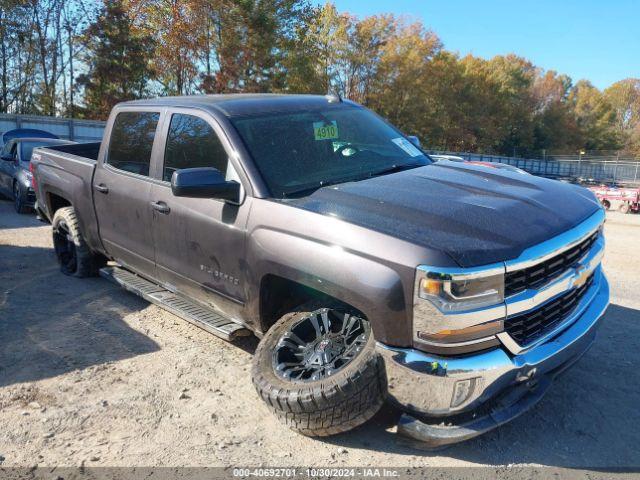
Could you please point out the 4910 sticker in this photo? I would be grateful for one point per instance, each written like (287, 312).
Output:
(325, 131)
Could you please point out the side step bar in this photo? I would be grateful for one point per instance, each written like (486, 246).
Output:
(202, 317)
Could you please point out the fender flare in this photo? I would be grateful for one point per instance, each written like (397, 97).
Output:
(368, 285)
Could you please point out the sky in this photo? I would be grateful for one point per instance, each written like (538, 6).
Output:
(598, 40)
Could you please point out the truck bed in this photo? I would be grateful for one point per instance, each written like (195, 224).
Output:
(86, 151)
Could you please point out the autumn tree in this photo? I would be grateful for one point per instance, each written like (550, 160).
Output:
(117, 60)
(313, 59)
(70, 57)
(175, 27)
(399, 89)
(554, 120)
(595, 118)
(266, 29)
(17, 56)
(624, 98)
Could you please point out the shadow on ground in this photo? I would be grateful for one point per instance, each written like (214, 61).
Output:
(81, 327)
(589, 418)
(10, 219)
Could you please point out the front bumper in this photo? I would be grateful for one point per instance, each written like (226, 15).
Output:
(436, 386)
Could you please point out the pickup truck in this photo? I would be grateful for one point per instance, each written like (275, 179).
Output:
(368, 271)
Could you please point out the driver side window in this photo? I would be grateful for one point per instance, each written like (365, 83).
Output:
(9, 150)
(191, 142)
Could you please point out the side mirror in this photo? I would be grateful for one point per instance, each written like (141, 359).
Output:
(205, 182)
(415, 140)
(7, 157)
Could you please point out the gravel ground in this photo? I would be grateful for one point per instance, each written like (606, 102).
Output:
(92, 375)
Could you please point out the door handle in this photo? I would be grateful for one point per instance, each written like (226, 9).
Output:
(102, 188)
(161, 207)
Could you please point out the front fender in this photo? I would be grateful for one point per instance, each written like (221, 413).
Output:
(371, 287)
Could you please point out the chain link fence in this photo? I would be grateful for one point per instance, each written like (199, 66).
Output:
(608, 169)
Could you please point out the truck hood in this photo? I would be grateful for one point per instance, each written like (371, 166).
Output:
(474, 214)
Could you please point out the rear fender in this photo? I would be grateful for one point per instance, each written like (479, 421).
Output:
(77, 191)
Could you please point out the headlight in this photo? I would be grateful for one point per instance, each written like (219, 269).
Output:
(458, 310)
(451, 292)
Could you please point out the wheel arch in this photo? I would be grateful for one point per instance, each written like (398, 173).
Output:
(274, 288)
(55, 202)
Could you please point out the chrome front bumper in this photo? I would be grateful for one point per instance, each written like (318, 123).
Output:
(430, 385)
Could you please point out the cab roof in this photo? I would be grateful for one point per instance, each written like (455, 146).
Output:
(244, 104)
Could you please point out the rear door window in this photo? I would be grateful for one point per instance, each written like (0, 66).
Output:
(191, 142)
(131, 141)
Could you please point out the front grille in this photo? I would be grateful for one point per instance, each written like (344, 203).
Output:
(528, 327)
(542, 273)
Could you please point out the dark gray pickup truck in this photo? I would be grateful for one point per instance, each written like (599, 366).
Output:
(455, 291)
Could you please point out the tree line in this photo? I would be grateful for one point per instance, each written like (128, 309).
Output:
(80, 57)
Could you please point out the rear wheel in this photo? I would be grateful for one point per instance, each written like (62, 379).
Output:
(624, 207)
(73, 253)
(19, 200)
(606, 204)
(318, 371)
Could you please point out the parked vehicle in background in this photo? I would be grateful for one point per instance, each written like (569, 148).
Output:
(499, 166)
(626, 199)
(15, 174)
(496, 165)
(452, 158)
(368, 271)
(26, 133)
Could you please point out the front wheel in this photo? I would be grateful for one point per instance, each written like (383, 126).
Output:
(73, 253)
(318, 371)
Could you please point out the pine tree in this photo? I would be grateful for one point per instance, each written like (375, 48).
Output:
(118, 61)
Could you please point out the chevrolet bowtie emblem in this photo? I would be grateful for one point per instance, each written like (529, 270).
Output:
(581, 276)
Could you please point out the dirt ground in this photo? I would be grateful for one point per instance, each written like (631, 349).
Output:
(93, 375)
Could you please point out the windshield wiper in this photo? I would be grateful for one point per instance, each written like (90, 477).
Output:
(313, 188)
(392, 169)
(396, 168)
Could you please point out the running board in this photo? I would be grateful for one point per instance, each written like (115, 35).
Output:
(200, 316)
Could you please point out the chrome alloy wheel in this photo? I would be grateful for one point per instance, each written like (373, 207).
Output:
(319, 344)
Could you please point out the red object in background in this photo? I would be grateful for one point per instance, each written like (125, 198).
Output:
(628, 198)
(33, 175)
(482, 164)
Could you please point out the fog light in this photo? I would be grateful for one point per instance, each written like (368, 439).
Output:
(462, 390)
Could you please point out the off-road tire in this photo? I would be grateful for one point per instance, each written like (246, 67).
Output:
(323, 407)
(19, 200)
(87, 263)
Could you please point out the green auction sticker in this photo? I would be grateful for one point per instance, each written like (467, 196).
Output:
(325, 131)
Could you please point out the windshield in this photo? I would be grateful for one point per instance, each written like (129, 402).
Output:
(300, 151)
(26, 147)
